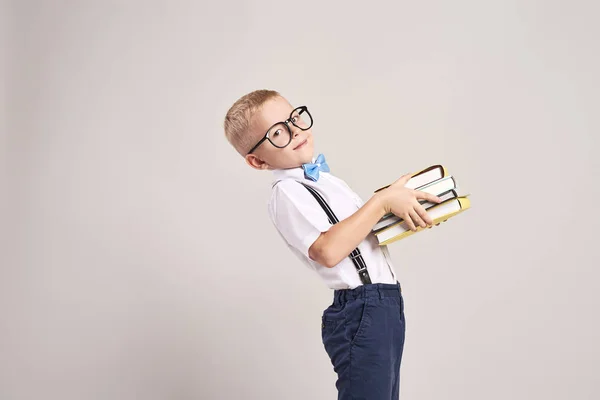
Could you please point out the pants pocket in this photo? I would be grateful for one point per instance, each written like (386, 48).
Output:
(328, 324)
(332, 335)
(331, 318)
(356, 313)
(401, 304)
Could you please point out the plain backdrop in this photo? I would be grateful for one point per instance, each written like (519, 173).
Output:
(138, 259)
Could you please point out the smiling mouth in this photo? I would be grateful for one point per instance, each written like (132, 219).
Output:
(301, 144)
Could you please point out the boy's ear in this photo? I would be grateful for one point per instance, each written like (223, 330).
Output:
(255, 162)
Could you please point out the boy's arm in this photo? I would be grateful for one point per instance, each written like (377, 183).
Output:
(338, 241)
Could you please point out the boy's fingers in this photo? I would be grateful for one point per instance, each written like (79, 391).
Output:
(423, 214)
(417, 218)
(409, 222)
(403, 179)
(427, 196)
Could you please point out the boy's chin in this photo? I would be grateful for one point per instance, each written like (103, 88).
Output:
(307, 159)
(308, 155)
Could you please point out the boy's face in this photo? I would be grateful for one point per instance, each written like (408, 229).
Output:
(266, 156)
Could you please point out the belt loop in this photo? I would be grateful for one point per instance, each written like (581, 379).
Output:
(379, 291)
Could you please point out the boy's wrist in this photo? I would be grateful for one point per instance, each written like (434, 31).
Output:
(381, 200)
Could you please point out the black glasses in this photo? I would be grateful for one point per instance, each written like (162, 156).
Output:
(280, 134)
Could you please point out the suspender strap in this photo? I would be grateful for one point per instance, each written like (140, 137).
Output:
(355, 256)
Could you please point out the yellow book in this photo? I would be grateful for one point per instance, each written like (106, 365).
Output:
(439, 213)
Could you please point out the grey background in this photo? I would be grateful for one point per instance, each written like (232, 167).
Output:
(139, 259)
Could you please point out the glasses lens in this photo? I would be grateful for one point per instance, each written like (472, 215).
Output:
(279, 135)
(301, 118)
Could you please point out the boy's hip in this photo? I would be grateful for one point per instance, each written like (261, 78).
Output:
(369, 313)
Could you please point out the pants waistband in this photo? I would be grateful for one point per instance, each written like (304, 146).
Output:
(380, 290)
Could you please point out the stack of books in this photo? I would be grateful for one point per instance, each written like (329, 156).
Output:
(434, 180)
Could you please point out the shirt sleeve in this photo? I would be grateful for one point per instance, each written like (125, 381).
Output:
(297, 215)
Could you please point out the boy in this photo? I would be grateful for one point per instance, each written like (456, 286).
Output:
(328, 227)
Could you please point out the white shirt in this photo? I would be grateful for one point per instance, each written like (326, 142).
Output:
(299, 220)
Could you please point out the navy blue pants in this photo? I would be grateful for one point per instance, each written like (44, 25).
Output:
(363, 334)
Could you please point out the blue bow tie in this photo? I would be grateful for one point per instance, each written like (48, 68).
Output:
(311, 170)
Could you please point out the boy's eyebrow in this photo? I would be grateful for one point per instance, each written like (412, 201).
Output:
(273, 122)
(288, 116)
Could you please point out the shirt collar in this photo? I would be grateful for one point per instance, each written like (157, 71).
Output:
(295, 173)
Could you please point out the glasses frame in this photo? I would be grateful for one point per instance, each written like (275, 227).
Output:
(300, 109)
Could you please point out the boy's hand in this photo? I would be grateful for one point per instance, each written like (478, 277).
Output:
(404, 202)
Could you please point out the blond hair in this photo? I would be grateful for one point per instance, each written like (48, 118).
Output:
(238, 119)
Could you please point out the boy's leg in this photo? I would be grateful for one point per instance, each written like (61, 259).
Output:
(397, 348)
(364, 338)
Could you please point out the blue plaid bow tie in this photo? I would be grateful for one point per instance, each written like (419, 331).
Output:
(311, 170)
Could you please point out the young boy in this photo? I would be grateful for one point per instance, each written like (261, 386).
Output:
(328, 227)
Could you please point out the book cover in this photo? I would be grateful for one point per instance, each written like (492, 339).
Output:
(400, 231)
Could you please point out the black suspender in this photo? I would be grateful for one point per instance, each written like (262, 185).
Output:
(355, 256)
